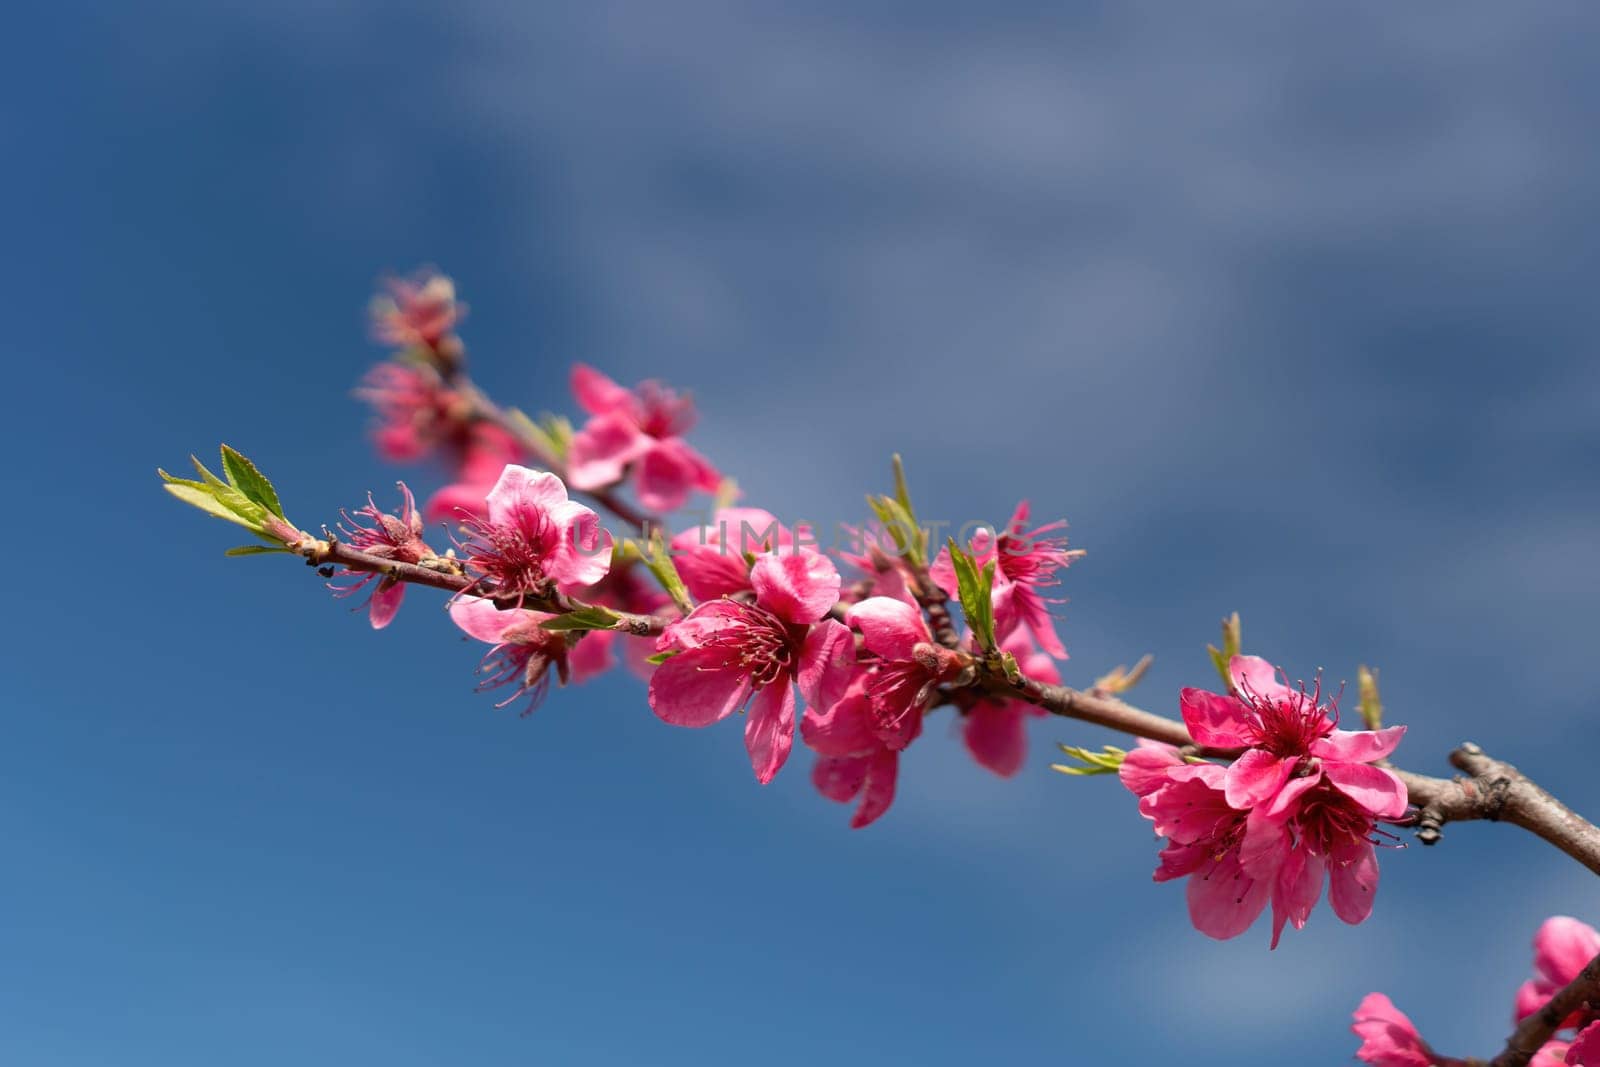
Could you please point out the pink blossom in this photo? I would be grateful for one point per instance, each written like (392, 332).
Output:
(853, 758)
(640, 428)
(390, 537)
(907, 667)
(1562, 948)
(714, 560)
(1585, 1048)
(416, 412)
(418, 312)
(874, 553)
(483, 454)
(728, 653)
(1388, 1038)
(523, 652)
(534, 537)
(1025, 562)
(995, 729)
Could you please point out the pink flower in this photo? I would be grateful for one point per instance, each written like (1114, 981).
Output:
(1562, 947)
(714, 560)
(1388, 1039)
(1025, 563)
(853, 758)
(390, 537)
(534, 537)
(728, 653)
(523, 651)
(995, 729)
(419, 312)
(641, 428)
(484, 453)
(874, 554)
(416, 412)
(1585, 1048)
(906, 669)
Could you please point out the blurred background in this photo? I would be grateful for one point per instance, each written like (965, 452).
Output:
(1289, 310)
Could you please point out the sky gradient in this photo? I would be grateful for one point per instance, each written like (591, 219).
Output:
(1289, 311)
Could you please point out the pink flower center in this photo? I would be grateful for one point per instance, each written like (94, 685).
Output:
(896, 693)
(513, 554)
(757, 643)
(524, 661)
(1286, 726)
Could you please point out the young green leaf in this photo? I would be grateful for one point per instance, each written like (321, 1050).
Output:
(1231, 643)
(1371, 706)
(248, 480)
(201, 496)
(1107, 761)
(974, 587)
(250, 513)
(253, 550)
(588, 617)
(659, 560)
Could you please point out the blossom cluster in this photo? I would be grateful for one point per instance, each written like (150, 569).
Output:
(1562, 948)
(1297, 808)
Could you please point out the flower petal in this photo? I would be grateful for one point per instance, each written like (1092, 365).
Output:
(1213, 720)
(1256, 777)
(690, 689)
(798, 587)
(1353, 880)
(827, 660)
(520, 491)
(1145, 769)
(1375, 789)
(481, 619)
(1223, 900)
(878, 794)
(996, 737)
(386, 602)
(583, 554)
(844, 729)
(1254, 675)
(1358, 746)
(1296, 890)
(840, 778)
(598, 453)
(598, 394)
(891, 628)
(1563, 947)
(769, 729)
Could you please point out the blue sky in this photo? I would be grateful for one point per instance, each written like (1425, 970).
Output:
(1288, 310)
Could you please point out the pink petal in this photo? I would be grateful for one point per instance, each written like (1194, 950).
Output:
(593, 655)
(1296, 891)
(844, 729)
(1353, 880)
(1266, 847)
(798, 587)
(689, 690)
(386, 602)
(1531, 996)
(1223, 900)
(1256, 676)
(520, 491)
(1585, 1050)
(1556, 1053)
(583, 554)
(827, 661)
(1358, 746)
(1375, 789)
(598, 394)
(598, 453)
(667, 472)
(1388, 1038)
(710, 571)
(1214, 721)
(456, 502)
(943, 573)
(891, 628)
(1256, 777)
(1286, 802)
(882, 770)
(996, 737)
(481, 619)
(1031, 608)
(1563, 947)
(840, 778)
(1145, 769)
(769, 729)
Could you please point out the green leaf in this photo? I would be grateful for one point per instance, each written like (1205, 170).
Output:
(659, 560)
(588, 617)
(1371, 706)
(202, 496)
(247, 479)
(1232, 636)
(974, 587)
(661, 657)
(902, 496)
(250, 513)
(1107, 761)
(900, 526)
(254, 550)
